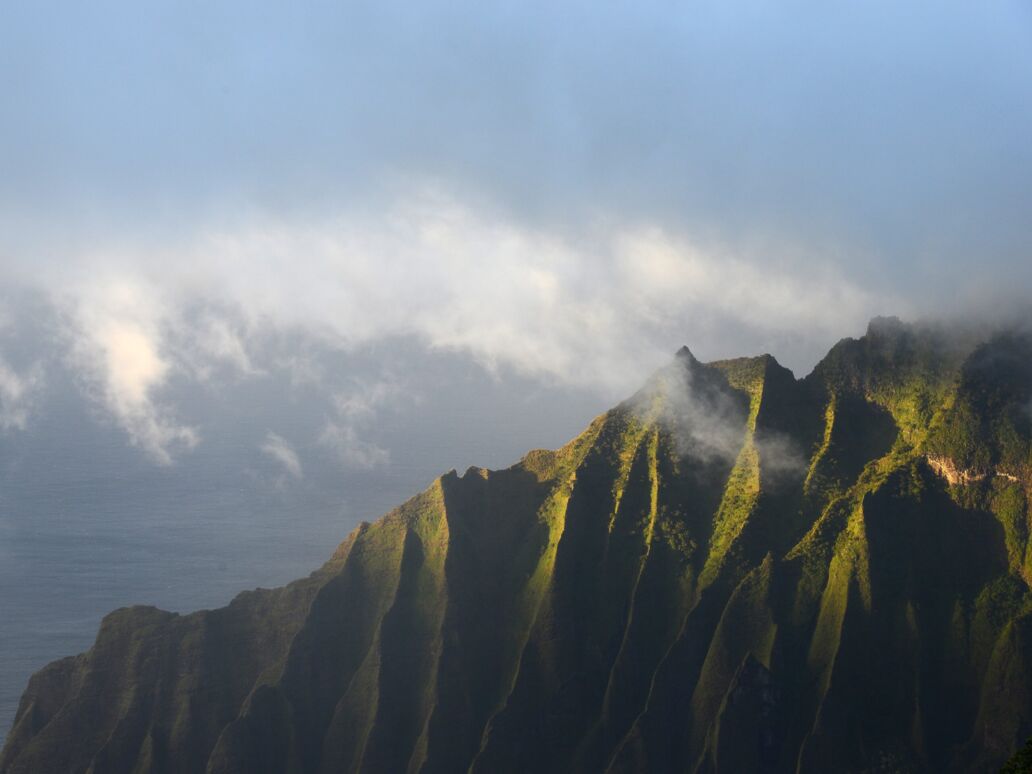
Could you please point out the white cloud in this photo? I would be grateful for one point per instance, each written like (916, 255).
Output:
(355, 410)
(708, 424)
(116, 333)
(669, 275)
(17, 395)
(602, 310)
(362, 400)
(206, 340)
(281, 450)
(351, 449)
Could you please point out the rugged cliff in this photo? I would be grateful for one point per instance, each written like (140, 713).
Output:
(733, 571)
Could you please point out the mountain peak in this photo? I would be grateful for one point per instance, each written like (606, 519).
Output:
(686, 355)
(889, 324)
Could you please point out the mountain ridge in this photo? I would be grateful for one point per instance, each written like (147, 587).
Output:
(733, 570)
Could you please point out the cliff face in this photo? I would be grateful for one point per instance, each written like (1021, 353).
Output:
(733, 571)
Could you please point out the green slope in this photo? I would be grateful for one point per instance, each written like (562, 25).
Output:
(732, 571)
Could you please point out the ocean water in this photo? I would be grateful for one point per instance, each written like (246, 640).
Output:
(75, 545)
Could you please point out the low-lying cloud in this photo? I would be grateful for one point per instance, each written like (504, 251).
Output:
(707, 420)
(282, 451)
(601, 312)
(117, 347)
(17, 395)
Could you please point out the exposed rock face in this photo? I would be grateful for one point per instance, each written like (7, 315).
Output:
(948, 469)
(733, 571)
(953, 474)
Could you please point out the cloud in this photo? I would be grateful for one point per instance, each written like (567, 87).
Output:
(602, 308)
(208, 339)
(352, 450)
(598, 312)
(277, 447)
(365, 397)
(355, 411)
(705, 420)
(18, 393)
(708, 422)
(116, 346)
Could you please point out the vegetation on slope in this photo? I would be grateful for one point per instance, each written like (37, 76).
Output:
(732, 571)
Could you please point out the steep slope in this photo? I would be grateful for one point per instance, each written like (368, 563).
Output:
(732, 571)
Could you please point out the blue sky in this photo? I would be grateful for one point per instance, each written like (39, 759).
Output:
(567, 190)
(709, 116)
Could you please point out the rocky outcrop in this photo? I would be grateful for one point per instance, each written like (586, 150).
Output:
(954, 474)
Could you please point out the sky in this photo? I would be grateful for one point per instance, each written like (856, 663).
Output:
(195, 194)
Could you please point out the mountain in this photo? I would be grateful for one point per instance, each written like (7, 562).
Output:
(732, 571)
